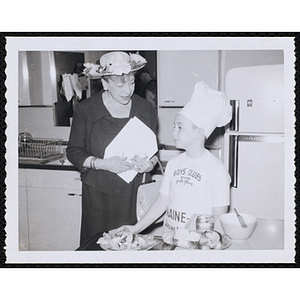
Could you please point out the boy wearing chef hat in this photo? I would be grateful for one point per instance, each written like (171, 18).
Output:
(195, 182)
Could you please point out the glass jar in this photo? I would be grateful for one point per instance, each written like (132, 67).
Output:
(205, 222)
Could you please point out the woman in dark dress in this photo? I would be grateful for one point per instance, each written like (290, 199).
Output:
(107, 200)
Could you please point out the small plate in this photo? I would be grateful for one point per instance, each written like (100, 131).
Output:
(226, 242)
(148, 245)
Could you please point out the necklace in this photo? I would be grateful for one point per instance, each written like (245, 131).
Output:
(113, 102)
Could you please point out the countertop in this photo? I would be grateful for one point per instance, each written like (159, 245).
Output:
(56, 164)
(66, 166)
(268, 235)
(52, 165)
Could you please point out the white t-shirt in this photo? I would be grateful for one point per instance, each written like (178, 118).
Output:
(193, 186)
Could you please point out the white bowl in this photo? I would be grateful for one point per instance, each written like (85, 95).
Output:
(233, 228)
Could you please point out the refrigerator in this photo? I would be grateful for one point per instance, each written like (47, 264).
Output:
(254, 140)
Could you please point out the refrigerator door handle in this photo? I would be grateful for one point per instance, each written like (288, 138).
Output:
(234, 124)
(233, 160)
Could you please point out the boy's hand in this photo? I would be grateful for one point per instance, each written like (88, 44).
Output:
(127, 229)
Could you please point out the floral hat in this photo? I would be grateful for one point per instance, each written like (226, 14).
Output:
(115, 63)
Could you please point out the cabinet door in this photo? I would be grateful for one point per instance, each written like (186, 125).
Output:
(179, 71)
(23, 219)
(53, 214)
(35, 78)
(53, 218)
(53, 179)
(23, 96)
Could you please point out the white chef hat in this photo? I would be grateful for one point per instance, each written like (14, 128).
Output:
(207, 108)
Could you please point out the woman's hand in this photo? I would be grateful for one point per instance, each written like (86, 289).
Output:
(168, 237)
(117, 164)
(141, 164)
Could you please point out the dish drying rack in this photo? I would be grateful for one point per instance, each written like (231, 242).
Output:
(39, 150)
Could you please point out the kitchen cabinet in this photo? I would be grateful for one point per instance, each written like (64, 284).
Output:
(179, 71)
(51, 210)
(36, 79)
(23, 217)
(245, 58)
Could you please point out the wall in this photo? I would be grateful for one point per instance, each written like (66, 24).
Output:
(39, 121)
(244, 58)
(35, 77)
(93, 56)
(35, 82)
(179, 71)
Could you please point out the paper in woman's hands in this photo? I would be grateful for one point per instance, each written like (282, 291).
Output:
(135, 138)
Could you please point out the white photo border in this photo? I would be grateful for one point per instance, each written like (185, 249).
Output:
(91, 43)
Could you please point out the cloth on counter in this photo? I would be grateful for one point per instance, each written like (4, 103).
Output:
(66, 87)
(76, 85)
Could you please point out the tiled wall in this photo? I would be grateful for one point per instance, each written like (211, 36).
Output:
(40, 123)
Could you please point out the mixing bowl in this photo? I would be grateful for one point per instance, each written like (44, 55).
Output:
(232, 227)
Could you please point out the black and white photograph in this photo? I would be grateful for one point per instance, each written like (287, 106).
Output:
(150, 150)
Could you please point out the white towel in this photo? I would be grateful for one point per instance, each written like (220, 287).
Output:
(66, 87)
(71, 86)
(76, 85)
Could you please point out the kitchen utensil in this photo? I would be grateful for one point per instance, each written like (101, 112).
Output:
(241, 219)
(232, 227)
(39, 150)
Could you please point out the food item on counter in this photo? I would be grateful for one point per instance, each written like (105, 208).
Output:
(210, 239)
(203, 240)
(181, 234)
(194, 236)
(186, 239)
(125, 241)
